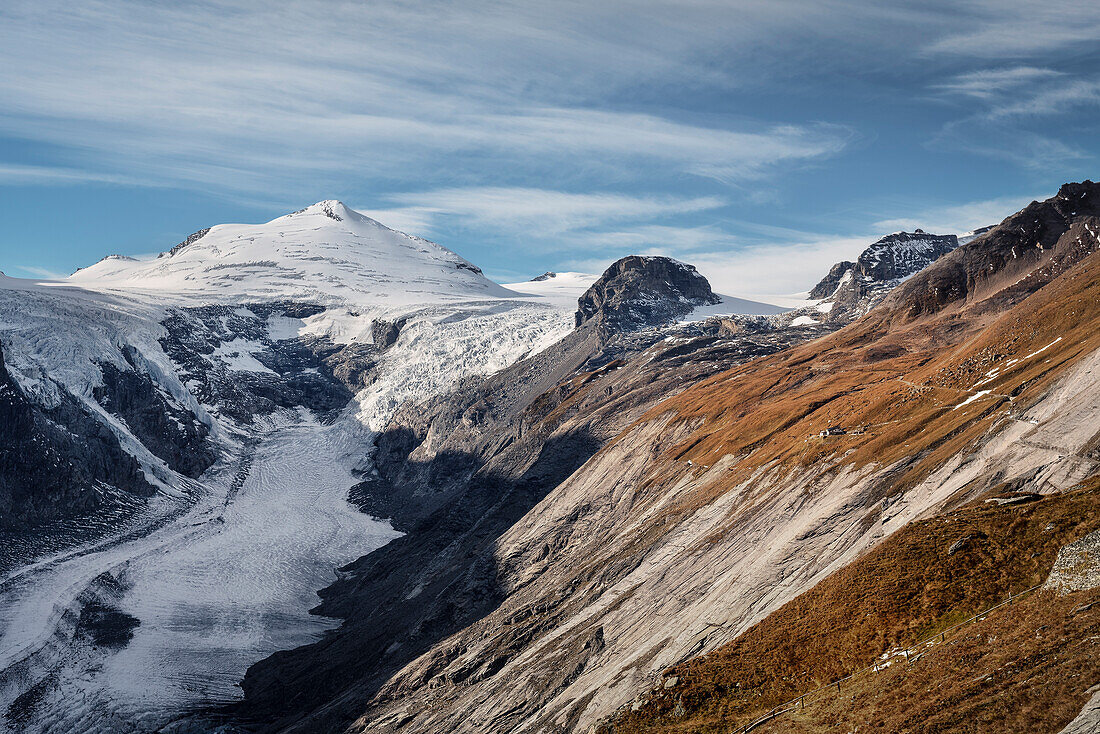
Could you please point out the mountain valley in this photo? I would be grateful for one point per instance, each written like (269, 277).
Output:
(316, 475)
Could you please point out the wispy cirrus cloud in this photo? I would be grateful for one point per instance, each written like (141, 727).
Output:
(20, 175)
(40, 272)
(1014, 112)
(542, 212)
(1037, 66)
(247, 97)
(986, 84)
(1018, 28)
(1051, 99)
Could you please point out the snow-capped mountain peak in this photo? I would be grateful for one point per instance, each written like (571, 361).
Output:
(333, 209)
(326, 252)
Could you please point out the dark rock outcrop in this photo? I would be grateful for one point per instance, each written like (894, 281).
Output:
(165, 427)
(298, 372)
(57, 462)
(384, 333)
(190, 239)
(1055, 233)
(854, 287)
(828, 285)
(901, 254)
(638, 292)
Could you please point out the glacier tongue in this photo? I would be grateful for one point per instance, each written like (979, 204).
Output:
(225, 582)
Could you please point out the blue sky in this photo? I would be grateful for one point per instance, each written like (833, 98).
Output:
(760, 140)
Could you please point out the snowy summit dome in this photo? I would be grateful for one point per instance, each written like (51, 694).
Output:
(325, 252)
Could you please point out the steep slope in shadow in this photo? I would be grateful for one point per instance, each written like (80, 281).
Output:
(457, 472)
(58, 461)
(713, 501)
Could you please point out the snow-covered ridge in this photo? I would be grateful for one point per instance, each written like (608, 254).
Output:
(327, 253)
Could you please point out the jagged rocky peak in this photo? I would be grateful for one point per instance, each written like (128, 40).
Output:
(1083, 192)
(545, 276)
(893, 257)
(637, 292)
(901, 254)
(850, 289)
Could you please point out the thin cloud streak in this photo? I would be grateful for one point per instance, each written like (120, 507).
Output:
(17, 175)
(987, 83)
(546, 212)
(40, 272)
(1020, 28)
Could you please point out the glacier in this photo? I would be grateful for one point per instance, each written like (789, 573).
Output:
(214, 572)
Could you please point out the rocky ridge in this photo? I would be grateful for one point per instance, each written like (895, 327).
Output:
(637, 292)
(851, 289)
(663, 544)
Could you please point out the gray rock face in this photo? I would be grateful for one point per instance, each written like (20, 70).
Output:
(854, 287)
(637, 292)
(1088, 721)
(57, 462)
(296, 371)
(1077, 567)
(165, 427)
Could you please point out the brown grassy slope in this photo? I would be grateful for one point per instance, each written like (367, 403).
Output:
(1024, 669)
(768, 411)
(910, 586)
